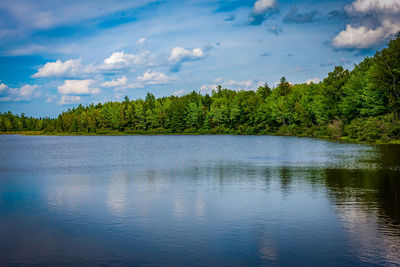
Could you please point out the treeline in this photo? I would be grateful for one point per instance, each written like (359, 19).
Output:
(362, 104)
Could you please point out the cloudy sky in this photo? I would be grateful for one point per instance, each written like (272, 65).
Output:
(55, 54)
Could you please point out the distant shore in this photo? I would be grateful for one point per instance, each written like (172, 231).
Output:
(121, 133)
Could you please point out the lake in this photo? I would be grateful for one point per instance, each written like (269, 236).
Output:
(197, 200)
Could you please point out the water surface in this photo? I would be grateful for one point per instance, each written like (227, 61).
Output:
(197, 200)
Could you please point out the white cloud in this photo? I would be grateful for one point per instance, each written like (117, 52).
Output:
(312, 80)
(181, 54)
(262, 6)
(373, 22)
(77, 87)
(239, 84)
(120, 60)
(141, 41)
(130, 86)
(24, 93)
(69, 99)
(73, 67)
(262, 10)
(230, 84)
(371, 6)
(27, 90)
(114, 83)
(58, 68)
(178, 93)
(3, 87)
(153, 77)
(208, 87)
(364, 37)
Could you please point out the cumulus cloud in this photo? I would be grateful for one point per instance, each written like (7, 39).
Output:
(141, 41)
(121, 60)
(24, 93)
(116, 82)
(178, 93)
(293, 16)
(123, 88)
(149, 77)
(208, 87)
(153, 77)
(59, 68)
(262, 6)
(129, 86)
(371, 6)
(77, 87)
(231, 84)
(73, 68)
(118, 58)
(27, 90)
(372, 23)
(364, 37)
(262, 9)
(313, 80)
(3, 87)
(179, 55)
(239, 84)
(69, 99)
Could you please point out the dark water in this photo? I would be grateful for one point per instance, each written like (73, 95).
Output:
(197, 200)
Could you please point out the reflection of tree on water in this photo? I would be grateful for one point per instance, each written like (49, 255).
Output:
(286, 178)
(379, 187)
(368, 204)
(388, 156)
(367, 199)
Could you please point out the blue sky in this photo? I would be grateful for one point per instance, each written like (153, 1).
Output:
(55, 55)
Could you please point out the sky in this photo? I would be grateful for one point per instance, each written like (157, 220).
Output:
(57, 54)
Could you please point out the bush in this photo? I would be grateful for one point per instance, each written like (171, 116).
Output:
(384, 128)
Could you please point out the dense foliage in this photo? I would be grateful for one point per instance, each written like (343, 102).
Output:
(362, 104)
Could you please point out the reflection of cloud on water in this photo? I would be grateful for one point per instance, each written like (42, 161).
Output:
(179, 207)
(371, 241)
(200, 206)
(118, 194)
(184, 205)
(68, 196)
(267, 249)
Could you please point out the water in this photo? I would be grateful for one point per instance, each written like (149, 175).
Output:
(197, 200)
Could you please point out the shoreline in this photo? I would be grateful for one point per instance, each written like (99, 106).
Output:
(344, 139)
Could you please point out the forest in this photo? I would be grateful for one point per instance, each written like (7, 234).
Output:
(358, 105)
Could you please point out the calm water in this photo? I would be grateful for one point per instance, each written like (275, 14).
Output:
(197, 200)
